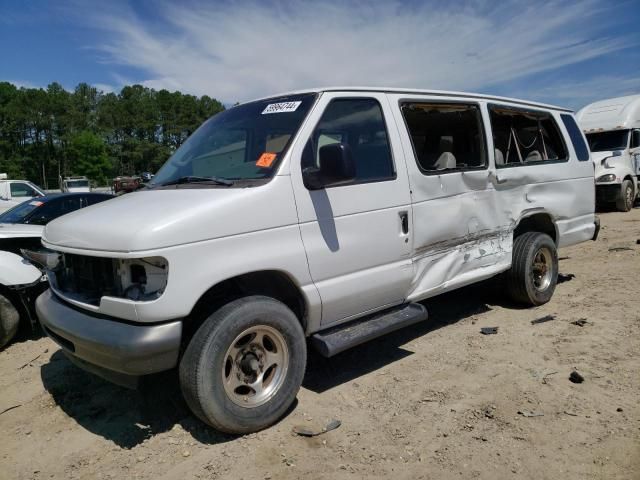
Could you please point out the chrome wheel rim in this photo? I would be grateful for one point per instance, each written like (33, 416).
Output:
(541, 269)
(629, 195)
(255, 366)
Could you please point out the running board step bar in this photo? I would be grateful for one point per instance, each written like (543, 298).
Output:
(346, 336)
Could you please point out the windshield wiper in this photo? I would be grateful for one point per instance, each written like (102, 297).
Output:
(196, 179)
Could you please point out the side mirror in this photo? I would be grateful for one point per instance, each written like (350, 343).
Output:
(336, 167)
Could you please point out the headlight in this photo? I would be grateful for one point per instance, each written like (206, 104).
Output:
(609, 177)
(46, 259)
(143, 279)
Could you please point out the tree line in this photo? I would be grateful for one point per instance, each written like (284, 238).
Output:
(48, 133)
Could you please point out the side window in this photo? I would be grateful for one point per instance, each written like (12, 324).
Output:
(22, 190)
(523, 137)
(93, 199)
(576, 137)
(54, 209)
(446, 136)
(359, 124)
(635, 138)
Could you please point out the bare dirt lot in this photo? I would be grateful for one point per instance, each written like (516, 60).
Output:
(434, 401)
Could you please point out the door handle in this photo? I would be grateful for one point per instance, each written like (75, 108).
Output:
(404, 222)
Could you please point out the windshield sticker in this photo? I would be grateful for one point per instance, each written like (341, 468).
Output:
(266, 159)
(281, 107)
(35, 203)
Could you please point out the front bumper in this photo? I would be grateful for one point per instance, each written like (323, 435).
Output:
(607, 193)
(109, 348)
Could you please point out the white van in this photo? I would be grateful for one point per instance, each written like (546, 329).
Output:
(326, 214)
(14, 192)
(613, 132)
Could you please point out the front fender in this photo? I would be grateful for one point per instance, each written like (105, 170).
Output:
(15, 270)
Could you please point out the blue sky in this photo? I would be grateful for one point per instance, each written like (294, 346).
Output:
(561, 52)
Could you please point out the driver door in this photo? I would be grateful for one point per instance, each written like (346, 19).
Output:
(357, 236)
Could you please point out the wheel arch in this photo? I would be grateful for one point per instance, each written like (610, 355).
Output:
(537, 221)
(271, 283)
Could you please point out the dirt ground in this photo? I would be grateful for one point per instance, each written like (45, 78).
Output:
(434, 401)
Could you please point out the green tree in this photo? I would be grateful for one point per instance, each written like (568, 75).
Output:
(88, 155)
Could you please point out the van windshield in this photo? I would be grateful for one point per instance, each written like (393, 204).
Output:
(608, 141)
(244, 143)
(77, 183)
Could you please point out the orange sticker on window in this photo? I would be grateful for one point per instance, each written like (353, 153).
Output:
(266, 159)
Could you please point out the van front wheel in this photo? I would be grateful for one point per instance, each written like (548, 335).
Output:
(534, 270)
(244, 366)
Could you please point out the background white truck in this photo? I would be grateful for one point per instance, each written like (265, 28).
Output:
(13, 192)
(612, 127)
(75, 185)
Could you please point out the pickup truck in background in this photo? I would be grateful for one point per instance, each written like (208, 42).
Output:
(13, 192)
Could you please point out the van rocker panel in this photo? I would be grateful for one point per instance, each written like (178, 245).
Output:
(112, 345)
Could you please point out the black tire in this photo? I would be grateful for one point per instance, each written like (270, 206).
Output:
(9, 321)
(626, 196)
(523, 285)
(205, 364)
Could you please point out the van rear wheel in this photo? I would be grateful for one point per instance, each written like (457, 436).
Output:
(244, 366)
(9, 321)
(533, 275)
(626, 196)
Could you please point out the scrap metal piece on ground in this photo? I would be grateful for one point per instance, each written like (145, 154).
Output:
(307, 432)
(546, 318)
(581, 322)
(527, 413)
(547, 375)
(575, 377)
(489, 330)
(619, 249)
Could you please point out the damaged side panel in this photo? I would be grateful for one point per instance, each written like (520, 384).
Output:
(464, 218)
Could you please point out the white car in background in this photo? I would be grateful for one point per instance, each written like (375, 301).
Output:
(21, 228)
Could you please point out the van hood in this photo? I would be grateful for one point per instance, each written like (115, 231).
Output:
(152, 219)
(17, 230)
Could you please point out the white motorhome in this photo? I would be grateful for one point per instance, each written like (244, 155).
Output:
(327, 214)
(13, 192)
(612, 127)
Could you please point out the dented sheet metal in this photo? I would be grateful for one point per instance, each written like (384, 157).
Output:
(463, 221)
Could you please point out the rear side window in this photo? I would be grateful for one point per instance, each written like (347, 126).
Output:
(525, 137)
(446, 137)
(359, 124)
(576, 137)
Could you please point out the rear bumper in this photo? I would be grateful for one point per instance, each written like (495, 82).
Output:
(109, 348)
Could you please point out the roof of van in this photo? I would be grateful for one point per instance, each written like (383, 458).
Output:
(611, 114)
(416, 91)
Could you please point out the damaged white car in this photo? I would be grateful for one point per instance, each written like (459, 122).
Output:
(325, 214)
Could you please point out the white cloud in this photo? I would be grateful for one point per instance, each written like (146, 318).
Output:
(577, 94)
(105, 87)
(242, 50)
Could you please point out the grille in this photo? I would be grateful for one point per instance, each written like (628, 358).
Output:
(88, 278)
